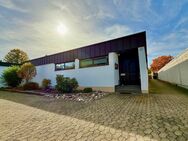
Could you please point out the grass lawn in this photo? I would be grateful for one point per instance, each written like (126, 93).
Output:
(160, 87)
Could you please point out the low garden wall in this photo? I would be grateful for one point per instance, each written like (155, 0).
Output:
(176, 71)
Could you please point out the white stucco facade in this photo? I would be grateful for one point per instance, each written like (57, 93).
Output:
(143, 69)
(103, 78)
(100, 77)
(176, 71)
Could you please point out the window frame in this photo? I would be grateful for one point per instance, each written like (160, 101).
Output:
(94, 65)
(84, 60)
(64, 65)
(102, 64)
(73, 67)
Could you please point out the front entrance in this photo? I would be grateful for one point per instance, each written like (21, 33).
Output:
(129, 68)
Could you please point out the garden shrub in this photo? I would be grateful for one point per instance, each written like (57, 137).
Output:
(78, 91)
(31, 86)
(46, 83)
(87, 90)
(2, 88)
(27, 71)
(10, 77)
(66, 84)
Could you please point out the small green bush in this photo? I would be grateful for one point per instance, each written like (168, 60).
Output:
(59, 82)
(66, 84)
(31, 86)
(46, 83)
(87, 90)
(78, 91)
(10, 77)
(2, 88)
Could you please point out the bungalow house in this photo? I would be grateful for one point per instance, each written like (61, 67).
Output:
(102, 66)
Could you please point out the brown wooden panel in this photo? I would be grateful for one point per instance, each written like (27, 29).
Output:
(79, 53)
(87, 52)
(75, 52)
(91, 51)
(107, 47)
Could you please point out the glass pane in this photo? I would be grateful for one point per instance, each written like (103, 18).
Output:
(101, 61)
(69, 65)
(86, 63)
(59, 66)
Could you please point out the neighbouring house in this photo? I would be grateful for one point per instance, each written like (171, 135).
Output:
(102, 66)
(176, 71)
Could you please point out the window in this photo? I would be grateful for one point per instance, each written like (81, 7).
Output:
(65, 66)
(100, 61)
(59, 66)
(94, 62)
(86, 63)
(69, 65)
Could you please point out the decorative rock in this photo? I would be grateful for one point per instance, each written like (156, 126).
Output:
(80, 97)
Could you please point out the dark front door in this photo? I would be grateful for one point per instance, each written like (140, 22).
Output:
(129, 68)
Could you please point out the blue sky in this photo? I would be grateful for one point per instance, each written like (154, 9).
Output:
(31, 25)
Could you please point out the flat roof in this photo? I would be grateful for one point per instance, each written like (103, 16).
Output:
(6, 64)
(95, 50)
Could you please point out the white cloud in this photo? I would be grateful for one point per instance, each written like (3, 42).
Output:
(182, 22)
(10, 5)
(39, 37)
(88, 21)
(117, 30)
(169, 44)
(136, 10)
(100, 15)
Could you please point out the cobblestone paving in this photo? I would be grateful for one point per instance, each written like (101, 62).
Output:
(116, 117)
(159, 117)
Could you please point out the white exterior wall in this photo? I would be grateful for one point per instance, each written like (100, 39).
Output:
(113, 59)
(2, 68)
(99, 76)
(176, 71)
(143, 69)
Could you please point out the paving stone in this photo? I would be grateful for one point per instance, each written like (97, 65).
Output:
(115, 117)
(162, 135)
(178, 133)
(148, 131)
(181, 138)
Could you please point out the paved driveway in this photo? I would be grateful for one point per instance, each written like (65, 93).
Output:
(115, 117)
(20, 122)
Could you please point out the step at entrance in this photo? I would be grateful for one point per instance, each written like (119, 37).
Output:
(128, 89)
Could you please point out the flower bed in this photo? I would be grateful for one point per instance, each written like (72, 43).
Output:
(84, 97)
(52, 93)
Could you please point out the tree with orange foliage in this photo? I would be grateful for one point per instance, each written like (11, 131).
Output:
(160, 62)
